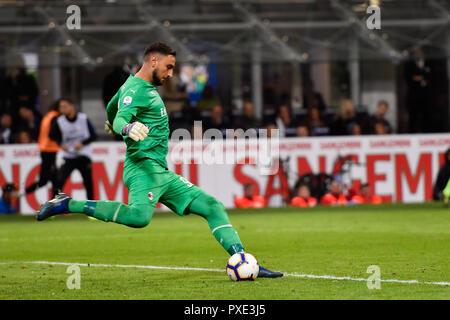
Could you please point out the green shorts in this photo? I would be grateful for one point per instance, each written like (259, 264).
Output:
(149, 183)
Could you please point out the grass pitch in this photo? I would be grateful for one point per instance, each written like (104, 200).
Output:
(407, 242)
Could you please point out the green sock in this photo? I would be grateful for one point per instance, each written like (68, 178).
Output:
(133, 216)
(77, 206)
(229, 240)
(216, 216)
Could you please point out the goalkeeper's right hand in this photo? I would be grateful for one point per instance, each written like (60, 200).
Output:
(109, 128)
(136, 131)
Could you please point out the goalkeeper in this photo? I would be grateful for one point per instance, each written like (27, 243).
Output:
(137, 112)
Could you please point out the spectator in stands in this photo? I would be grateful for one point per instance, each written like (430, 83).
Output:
(418, 97)
(335, 196)
(355, 129)
(441, 188)
(316, 126)
(272, 131)
(9, 202)
(20, 88)
(302, 131)
(345, 118)
(74, 132)
(23, 137)
(217, 119)
(250, 199)
(208, 100)
(380, 128)
(312, 99)
(284, 122)
(115, 79)
(379, 119)
(49, 149)
(247, 120)
(6, 129)
(366, 196)
(29, 120)
(269, 95)
(303, 198)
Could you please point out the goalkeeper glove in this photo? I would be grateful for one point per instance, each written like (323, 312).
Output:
(136, 131)
(109, 128)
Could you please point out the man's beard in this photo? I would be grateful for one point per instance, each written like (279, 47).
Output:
(156, 80)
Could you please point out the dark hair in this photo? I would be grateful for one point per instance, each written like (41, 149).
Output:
(58, 102)
(282, 106)
(303, 185)
(159, 47)
(384, 102)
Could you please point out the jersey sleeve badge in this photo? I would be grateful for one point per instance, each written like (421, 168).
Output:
(127, 100)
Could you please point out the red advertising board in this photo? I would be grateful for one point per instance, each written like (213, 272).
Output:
(400, 168)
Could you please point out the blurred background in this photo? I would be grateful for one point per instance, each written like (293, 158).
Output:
(310, 68)
(251, 58)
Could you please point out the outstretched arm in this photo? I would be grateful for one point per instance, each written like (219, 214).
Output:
(123, 124)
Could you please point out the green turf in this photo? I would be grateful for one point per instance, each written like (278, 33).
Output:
(407, 242)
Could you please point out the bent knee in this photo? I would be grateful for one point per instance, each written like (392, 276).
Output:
(141, 217)
(215, 206)
(141, 222)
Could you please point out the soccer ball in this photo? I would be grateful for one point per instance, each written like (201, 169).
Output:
(242, 266)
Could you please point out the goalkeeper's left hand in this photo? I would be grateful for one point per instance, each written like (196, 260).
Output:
(109, 128)
(136, 131)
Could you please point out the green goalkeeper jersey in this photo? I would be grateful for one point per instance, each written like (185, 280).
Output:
(139, 101)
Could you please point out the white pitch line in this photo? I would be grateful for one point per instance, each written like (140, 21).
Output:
(124, 266)
(295, 275)
(441, 283)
